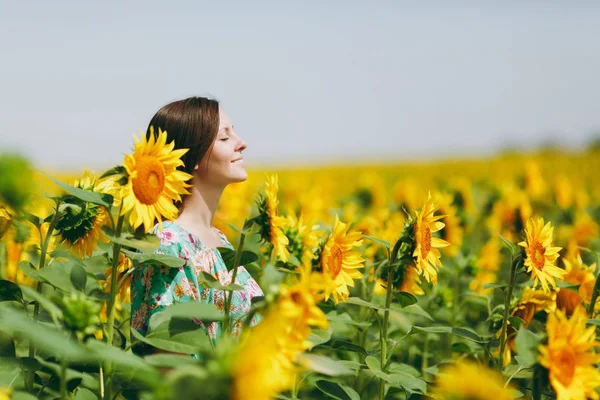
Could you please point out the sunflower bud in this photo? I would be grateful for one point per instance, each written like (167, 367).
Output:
(81, 314)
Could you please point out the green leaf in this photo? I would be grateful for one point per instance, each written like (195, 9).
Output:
(78, 277)
(182, 337)
(319, 336)
(515, 322)
(527, 346)
(324, 365)
(10, 291)
(147, 245)
(360, 302)
(566, 285)
(191, 309)
(415, 309)
(48, 340)
(495, 286)
(348, 346)
(126, 361)
(382, 242)
(210, 281)
(58, 274)
(22, 396)
(102, 199)
(169, 360)
(54, 311)
(7, 346)
(336, 390)
(228, 256)
(461, 348)
(398, 378)
(85, 394)
(345, 319)
(97, 265)
(29, 270)
(405, 299)
(154, 258)
(593, 322)
(514, 249)
(34, 219)
(460, 332)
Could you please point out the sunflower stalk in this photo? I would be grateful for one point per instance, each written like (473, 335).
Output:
(111, 304)
(236, 264)
(595, 292)
(36, 309)
(386, 314)
(508, 295)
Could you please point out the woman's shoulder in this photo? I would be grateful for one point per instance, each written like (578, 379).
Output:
(172, 238)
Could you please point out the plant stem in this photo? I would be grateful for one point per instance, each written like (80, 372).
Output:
(36, 308)
(503, 339)
(63, 379)
(386, 316)
(236, 264)
(591, 307)
(111, 304)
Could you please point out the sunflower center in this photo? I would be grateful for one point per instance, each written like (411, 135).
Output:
(336, 261)
(150, 180)
(425, 240)
(537, 255)
(566, 364)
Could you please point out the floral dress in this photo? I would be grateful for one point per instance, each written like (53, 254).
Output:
(155, 287)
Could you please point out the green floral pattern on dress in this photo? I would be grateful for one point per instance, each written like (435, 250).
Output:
(155, 287)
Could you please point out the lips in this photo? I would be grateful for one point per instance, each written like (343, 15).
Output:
(239, 159)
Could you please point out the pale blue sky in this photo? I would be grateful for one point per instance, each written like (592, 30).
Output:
(302, 82)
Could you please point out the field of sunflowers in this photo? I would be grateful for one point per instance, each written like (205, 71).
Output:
(457, 279)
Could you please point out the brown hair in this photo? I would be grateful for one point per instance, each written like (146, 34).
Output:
(193, 124)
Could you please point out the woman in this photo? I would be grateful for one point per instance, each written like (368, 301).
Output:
(214, 160)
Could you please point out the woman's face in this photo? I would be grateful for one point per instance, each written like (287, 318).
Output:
(224, 164)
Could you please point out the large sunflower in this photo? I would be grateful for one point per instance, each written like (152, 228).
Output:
(339, 262)
(427, 256)
(569, 356)
(80, 224)
(540, 255)
(466, 380)
(270, 222)
(154, 181)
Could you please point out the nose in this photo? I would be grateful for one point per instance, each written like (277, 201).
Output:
(241, 145)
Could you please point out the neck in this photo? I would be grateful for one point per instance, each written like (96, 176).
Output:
(200, 206)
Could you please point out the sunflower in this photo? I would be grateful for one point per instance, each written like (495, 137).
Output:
(466, 380)
(5, 219)
(427, 256)
(80, 224)
(5, 393)
(270, 222)
(339, 262)
(303, 237)
(563, 192)
(531, 302)
(298, 302)
(452, 232)
(540, 255)
(154, 182)
(569, 356)
(579, 274)
(411, 282)
(123, 294)
(264, 363)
